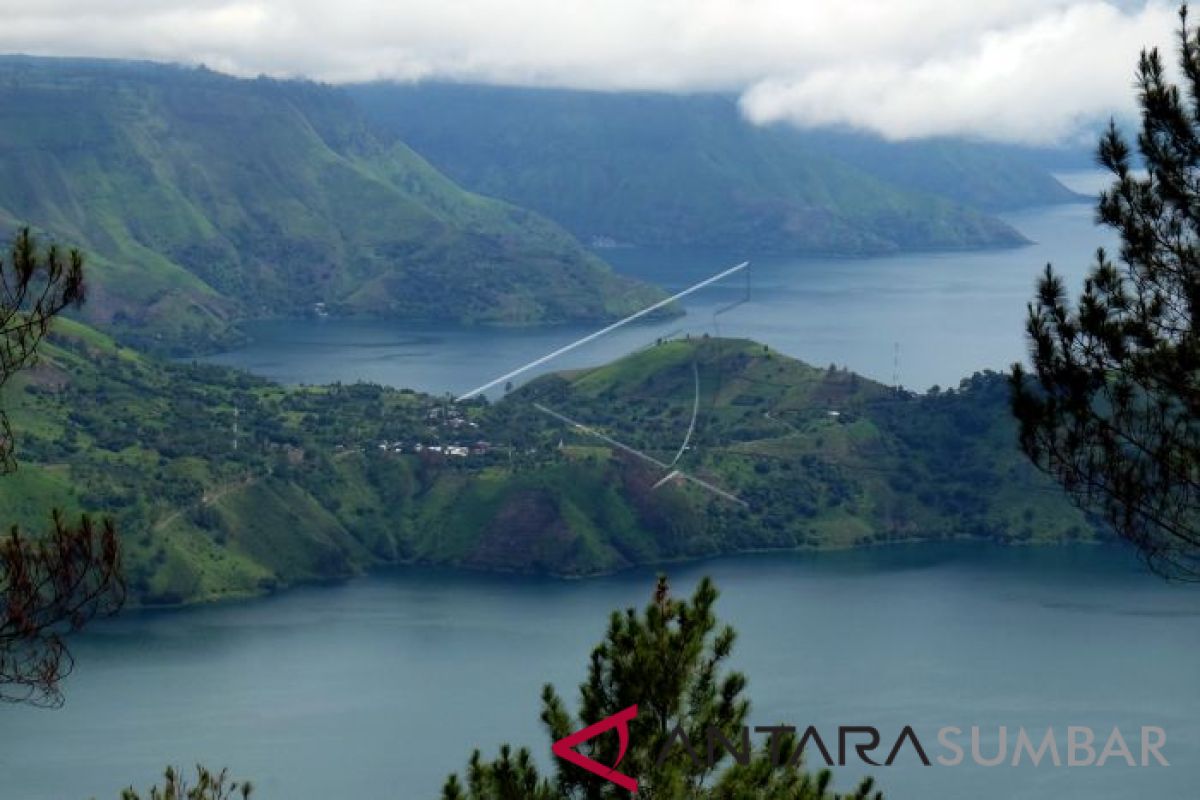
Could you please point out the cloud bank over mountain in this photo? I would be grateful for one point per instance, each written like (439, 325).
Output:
(1029, 71)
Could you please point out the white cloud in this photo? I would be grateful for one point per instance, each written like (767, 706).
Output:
(1034, 82)
(1026, 70)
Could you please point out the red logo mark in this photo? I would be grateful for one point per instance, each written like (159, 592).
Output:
(565, 748)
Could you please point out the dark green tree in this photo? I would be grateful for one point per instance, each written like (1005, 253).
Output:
(54, 583)
(669, 661)
(506, 778)
(1112, 408)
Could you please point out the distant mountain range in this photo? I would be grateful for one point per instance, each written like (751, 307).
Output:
(989, 176)
(202, 199)
(669, 170)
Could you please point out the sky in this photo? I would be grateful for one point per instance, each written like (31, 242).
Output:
(1023, 71)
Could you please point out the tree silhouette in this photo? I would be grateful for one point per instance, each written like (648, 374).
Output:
(1112, 409)
(208, 786)
(35, 287)
(52, 584)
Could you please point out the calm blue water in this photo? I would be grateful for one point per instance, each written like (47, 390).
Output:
(950, 313)
(379, 687)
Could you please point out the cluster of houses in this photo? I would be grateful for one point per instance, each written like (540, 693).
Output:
(441, 417)
(449, 417)
(457, 450)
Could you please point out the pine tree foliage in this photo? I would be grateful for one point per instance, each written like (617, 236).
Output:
(35, 287)
(1112, 408)
(208, 786)
(671, 661)
(506, 778)
(51, 584)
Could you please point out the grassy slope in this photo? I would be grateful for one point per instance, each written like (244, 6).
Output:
(309, 495)
(993, 177)
(667, 170)
(201, 198)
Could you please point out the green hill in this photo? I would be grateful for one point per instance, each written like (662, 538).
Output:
(992, 177)
(321, 483)
(202, 199)
(820, 457)
(668, 170)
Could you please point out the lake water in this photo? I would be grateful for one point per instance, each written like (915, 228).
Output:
(379, 687)
(950, 313)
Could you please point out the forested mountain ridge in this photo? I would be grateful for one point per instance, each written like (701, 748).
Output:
(321, 483)
(201, 199)
(689, 170)
(987, 176)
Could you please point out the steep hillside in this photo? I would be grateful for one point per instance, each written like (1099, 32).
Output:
(992, 177)
(322, 483)
(202, 199)
(665, 170)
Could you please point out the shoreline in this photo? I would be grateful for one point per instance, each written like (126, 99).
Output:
(462, 569)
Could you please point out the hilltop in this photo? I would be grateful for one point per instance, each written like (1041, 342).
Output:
(202, 199)
(667, 170)
(821, 457)
(325, 482)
